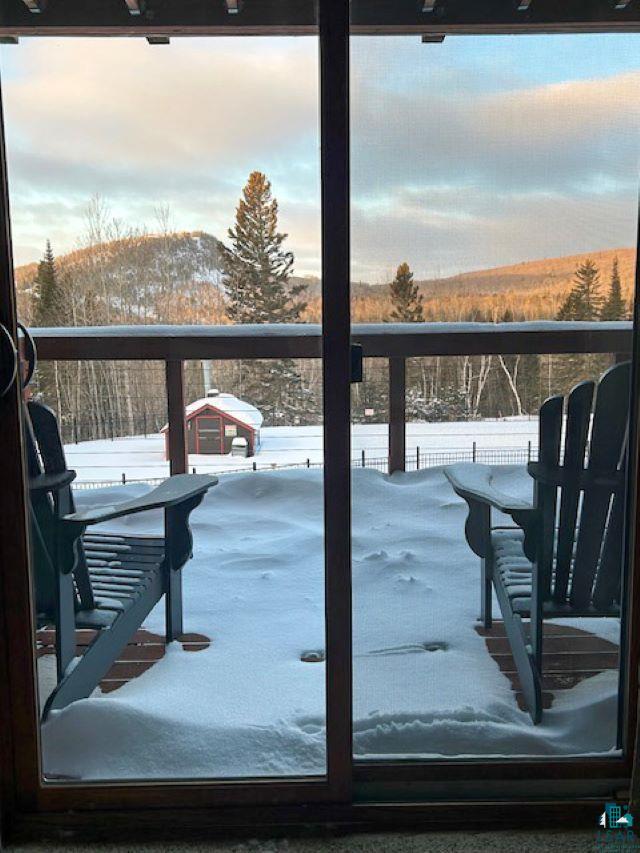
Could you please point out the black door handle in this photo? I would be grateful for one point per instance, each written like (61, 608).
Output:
(27, 354)
(8, 361)
(356, 362)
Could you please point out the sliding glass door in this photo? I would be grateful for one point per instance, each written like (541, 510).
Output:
(494, 224)
(198, 253)
(407, 566)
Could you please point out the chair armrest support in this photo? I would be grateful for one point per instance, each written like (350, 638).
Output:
(178, 496)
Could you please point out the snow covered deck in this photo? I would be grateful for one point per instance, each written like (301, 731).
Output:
(425, 683)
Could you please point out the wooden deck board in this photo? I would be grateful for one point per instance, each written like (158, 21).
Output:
(143, 651)
(570, 656)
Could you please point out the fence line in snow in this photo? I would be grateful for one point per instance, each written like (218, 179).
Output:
(417, 460)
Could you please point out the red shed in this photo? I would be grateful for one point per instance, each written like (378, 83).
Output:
(215, 420)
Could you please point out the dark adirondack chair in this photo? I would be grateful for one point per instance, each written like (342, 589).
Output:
(99, 580)
(564, 558)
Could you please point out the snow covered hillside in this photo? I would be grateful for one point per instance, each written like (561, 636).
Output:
(140, 458)
(424, 683)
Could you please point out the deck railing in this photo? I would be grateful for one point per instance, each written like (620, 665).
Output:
(393, 341)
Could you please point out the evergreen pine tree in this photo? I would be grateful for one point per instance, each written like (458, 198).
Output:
(256, 271)
(584, 301)
(405, 297)
(47, 310)
(614, 307)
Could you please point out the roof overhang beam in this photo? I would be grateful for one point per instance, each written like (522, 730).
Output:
(299, 17)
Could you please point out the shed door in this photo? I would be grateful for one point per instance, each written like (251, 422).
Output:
(209, 434)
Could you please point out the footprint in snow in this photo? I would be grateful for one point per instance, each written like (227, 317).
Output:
(410, 649)
(376, 555)
(405, 579)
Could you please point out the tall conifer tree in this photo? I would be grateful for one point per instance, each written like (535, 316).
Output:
(614, 307)
(257, 268)
(256, 275)
(48, 310)
(584, 301)
(405, 297)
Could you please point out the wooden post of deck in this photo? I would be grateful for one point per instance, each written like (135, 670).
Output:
(397, 414)
(178, 460)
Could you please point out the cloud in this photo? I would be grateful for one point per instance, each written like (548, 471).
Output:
(464, 179)
(534, 138)
(143, 125)
(460, 159)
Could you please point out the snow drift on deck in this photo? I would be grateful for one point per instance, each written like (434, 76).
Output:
(249, 706)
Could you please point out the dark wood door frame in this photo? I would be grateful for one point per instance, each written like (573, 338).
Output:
(26, 793)
(19, 735)
(31, 806)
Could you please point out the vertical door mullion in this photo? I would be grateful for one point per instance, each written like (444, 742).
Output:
(334, 145)
(19, 753)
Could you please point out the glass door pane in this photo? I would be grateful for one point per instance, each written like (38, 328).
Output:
(180, 186)
(494, 181)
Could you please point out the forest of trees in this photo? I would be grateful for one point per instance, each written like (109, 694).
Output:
(131, 276)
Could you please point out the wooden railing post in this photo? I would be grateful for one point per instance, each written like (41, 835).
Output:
(397, 414)
(178, 461)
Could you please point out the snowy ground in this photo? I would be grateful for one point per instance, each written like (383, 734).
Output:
(142, 458)
(249, 706)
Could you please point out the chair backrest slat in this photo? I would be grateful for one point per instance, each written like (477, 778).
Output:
(606, 449)
(550, 434)
(606, 589)
(47, 451)
(578, 418)
(47, 435)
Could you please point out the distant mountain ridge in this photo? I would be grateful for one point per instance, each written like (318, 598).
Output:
(194, 257)
(536, 276)
(188, 254)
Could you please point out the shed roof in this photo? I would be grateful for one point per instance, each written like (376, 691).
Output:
(227, 404)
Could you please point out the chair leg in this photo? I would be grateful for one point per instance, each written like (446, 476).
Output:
(535, 629)
(528, 672)
(486, 591)
(173, 603)
(65, 624)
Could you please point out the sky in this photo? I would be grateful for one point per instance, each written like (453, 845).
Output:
(473, 153)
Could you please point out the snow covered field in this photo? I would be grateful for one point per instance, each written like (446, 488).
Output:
(249, 706)
(142, 458)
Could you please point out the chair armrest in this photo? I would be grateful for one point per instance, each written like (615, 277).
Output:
(475, 482)
(50, 482)
(172, 492)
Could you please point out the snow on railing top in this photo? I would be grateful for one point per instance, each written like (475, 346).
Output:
(302, 340)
